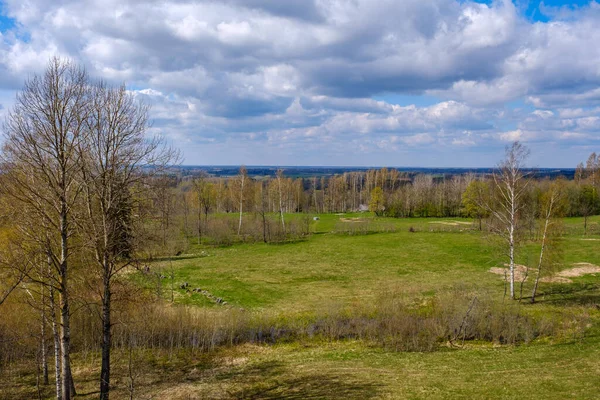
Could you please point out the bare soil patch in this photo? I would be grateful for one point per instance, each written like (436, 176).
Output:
(355, 219)
(563, 276)
(505, 272)
(580, 269)
(451, 223)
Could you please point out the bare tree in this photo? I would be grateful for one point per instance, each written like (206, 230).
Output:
(243, 177)
(551, 207)
(113, 159)
(280, 190)
(41, 139)
(510, 183)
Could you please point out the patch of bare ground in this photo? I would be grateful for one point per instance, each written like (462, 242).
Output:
(355, 219)
(520, 271)
(579, 269)
(590, 239)
(451, 223)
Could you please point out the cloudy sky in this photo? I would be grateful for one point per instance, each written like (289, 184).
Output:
(430, 83)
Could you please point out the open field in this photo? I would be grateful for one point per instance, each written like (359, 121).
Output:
(338, 268)
(333, 269)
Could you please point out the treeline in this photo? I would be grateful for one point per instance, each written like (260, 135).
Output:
(387, 192)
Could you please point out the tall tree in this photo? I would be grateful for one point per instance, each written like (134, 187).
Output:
(42, 136)
(280, 191)
(551, 207)
(242, 180)
(510, 183)
(377, 204)
(113, 158)
(475, 200)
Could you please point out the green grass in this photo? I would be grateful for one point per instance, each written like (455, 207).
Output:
(332, 269)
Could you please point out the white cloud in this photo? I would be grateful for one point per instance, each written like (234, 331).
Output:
(302, 72)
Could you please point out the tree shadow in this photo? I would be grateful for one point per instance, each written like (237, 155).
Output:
(271, 380)
(569, 294)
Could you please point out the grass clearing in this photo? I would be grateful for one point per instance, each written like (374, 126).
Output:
(334, 270)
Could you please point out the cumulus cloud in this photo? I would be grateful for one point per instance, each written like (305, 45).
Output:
(297, 77)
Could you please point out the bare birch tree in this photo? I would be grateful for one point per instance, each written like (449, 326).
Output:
(243, 177)
(41, 139)
(551, 208)
(113, 159)
(510, 182)
(280, 190)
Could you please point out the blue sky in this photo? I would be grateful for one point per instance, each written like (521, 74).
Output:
(429, 83)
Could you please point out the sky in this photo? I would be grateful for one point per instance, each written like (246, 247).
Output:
(421, 83)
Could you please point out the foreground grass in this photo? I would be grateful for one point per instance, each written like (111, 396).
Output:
(331, 270)
(343, 370)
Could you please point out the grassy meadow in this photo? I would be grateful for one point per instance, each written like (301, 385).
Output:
(335, 268)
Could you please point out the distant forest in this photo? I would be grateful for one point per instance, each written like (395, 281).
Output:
(318, 171)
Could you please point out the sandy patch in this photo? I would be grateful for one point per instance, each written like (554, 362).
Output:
(355, 219)
(450, 223)
(519, 272)
(580, 269)
(591, 240)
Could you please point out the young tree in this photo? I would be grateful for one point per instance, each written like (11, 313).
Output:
(510, 183)
(475, 199)
(205, 195)
(551, 208)
(42, 136)
(376, 204)
(591, 166)
(280, 191)
(113, 158)
(589, 203)
(242, 180)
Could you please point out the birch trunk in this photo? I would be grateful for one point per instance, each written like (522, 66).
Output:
(57, 351)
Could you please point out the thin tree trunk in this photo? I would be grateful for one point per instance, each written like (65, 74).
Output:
(57, 351)
(542, 249)
(512, 263)
(199, 219)
(264, 217)
(106, 338)
(43, 343)
(241, 205)
(511, 239)
(65, 317)
(280, 205)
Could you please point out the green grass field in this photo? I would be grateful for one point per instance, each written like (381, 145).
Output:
(338, 268)
(329, 270)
